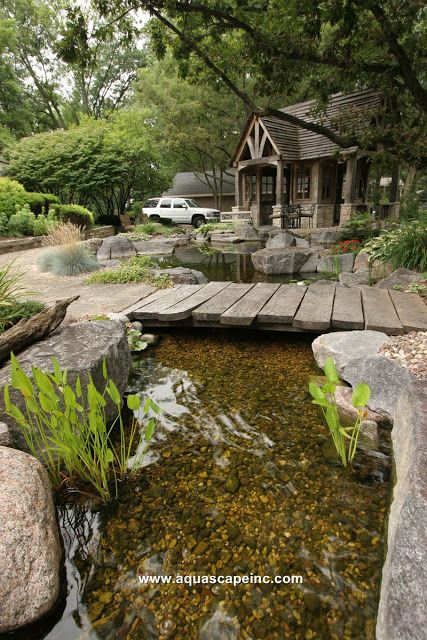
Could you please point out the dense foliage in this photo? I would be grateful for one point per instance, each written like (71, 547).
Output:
(404, 246)
(73, 213)
(101, 165)
(13, 194)
(137, 269)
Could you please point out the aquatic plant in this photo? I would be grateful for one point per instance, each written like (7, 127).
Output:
(11, 292)
(137, 269)
(134, 340)
(215, 226)
(345, 438)
(65, 426)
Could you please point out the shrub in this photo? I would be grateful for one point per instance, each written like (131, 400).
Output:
(137, 269)
(66, 427)
(3, 224)
(68, 260)
(12, 193)
(21, 223)
(403, 246)
(108, 219)
(41, 226)
(40, 202)
(74, 213)
(359, 227)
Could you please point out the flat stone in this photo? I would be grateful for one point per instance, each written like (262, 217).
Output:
(287, 260)
(386, 378)
(220, 627)
(150, 338)
(182, 275)
(225, 238)
(153, 248)
(345, 346)
(402, 611)
(116, 247)
(5, 435)
(325, 236)
(361, 261)
(340, 262)
(355, 279)
(30, 549)
(400, 278)
(80, 348)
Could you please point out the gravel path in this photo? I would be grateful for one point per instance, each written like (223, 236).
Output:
(410, 351)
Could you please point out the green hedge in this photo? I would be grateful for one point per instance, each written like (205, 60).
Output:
(12, 193)
(74, 213)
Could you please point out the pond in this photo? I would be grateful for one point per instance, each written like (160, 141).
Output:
(225, 263)
(237, 482)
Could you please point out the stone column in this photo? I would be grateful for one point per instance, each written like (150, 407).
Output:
(348, 189)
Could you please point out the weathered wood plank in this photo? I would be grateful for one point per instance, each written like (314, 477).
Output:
(183, 309)
(379, 311)
(411, 310)
(177, 294)
(283, 305)
(315, 311)
(146, 295)
(212, 310)
(347, 312)
(244, 311)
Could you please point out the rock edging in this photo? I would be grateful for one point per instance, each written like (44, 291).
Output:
(402, 614)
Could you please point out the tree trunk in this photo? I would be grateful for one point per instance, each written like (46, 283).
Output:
(31, 330)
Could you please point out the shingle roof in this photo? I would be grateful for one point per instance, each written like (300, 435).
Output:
(296, 143)
(188, 183)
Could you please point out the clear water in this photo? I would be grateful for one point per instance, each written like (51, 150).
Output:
(239, 480)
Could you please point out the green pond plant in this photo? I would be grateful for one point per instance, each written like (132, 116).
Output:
(65, 426)
(344, 438)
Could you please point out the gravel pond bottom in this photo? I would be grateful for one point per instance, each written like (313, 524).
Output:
(236, 482)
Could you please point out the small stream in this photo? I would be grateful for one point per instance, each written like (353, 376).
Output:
(239, 480)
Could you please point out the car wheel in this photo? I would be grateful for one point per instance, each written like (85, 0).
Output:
(198, 221)
(155, 218)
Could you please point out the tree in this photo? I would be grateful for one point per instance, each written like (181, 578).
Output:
(101, 164)
(322, 46)
(198, 127)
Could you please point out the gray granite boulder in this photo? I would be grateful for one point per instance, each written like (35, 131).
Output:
(182, 275)
(116, 247)
(30, 549)
(386, 378)
(80, 348)
(400, 278)
(325, 236)
(348, 413)
(92, 244)
(340, 262)
(5, 435)
(354, 279)
(345, 346)
(281, 240)
(246, 232)
(287, 260)
(402, 611)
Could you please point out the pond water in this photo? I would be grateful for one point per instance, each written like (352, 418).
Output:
(225, 262)
(238, 481)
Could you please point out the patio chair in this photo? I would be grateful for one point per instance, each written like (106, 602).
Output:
(309, 215)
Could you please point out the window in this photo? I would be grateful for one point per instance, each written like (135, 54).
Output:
(151, 204)
(303, 178)
(179, 203)
(191, 203)
(166, 204)
(326, 183)
(267, 185)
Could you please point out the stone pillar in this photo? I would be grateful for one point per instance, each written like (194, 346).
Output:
(257, 209)
(238, 190)
(350, 180)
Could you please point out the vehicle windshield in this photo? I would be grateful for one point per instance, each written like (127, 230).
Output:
(191, 203)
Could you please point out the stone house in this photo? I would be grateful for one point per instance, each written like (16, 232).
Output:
(278, 163)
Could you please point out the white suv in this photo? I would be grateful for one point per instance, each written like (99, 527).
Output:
(179, 210)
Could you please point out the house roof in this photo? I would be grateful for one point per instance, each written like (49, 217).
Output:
(193, 184)
(296, 143)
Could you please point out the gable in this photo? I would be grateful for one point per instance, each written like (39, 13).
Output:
(255, 142)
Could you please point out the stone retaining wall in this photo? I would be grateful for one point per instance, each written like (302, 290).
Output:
(402, 612)
(23, 244)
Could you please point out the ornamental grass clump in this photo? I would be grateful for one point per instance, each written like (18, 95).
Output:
(345, 439)
(137, 269)
(69, 257)
(65, 426)
(403, 246)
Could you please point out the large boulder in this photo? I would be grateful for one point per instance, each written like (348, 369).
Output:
(287, 260)
(402, 611)
(281, 240)
(30, 549)
(386, 378)
(399, 278)
(348, 412)
(325, 236)
(355, 279)
(182, 275)
(80, 348)
(339, 262)
(246, 232)
(116, 247)
(345, 346)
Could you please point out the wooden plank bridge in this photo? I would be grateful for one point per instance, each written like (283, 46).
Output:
(281, 307)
